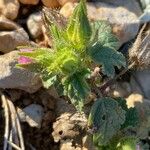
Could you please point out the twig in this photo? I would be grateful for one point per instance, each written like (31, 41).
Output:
(17, 123)
(111, 81)
(13, 122)
(14, 145)
(6, 134)
(10, 139)
(20, 133)
(16, 127)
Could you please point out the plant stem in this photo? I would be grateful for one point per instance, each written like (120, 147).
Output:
(103, 87)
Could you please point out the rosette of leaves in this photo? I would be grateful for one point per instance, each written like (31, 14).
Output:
(75, 46)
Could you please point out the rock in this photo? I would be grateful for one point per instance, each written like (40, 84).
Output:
(52, 91)
(135, 86)
(49, 117)
(12, 77)
(63, 2)
(32, 114)
(88, 143)
(34, 24)
(51, 3)
(145, 3)
(142, 80)
(63, 106)
(29, 2)
(6, 24)
(145, 17)
(125, 24)
(26, 101)
(9, 8)
(68, 145)
(9, 40)
(121, 89)
(14, 94)
(67, 9)
(131, 5)
(70, 126)
(47, 100)
(133, 99)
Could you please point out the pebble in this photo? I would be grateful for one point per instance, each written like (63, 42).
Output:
(34, 24)
(51, 3)
(32, 114)
(29, 2)
(10, 40)
(9, 8)
(12, 77)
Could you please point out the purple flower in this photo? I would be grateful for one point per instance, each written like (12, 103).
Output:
(23, 59)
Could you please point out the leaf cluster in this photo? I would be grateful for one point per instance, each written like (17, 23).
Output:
(66, 65)
(109, 117)
(76, 46)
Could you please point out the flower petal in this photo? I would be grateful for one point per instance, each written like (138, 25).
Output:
(24, 60)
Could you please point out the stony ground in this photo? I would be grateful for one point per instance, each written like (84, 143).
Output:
(48, 121)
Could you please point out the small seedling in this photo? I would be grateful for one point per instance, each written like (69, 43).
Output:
(77, 46)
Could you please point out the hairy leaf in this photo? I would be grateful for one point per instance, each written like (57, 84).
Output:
(34, 67)
(102, 33)
(132, 118)
(59, 86)
(79, 29)
(60, 38)
(127, 143)
(106, 118)
(76, 88)
(107, 57)
(48, 80)
(44, 56)
(66, 62)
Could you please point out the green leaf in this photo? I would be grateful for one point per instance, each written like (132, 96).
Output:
(36, 52)
(48, 80)
(145, 146)
(34, 67)
(132, 118)
(102, 33)
(102, 48)
(76, 88)
(127, 143)
(66, 62)
(55, 24)
(60, 39)
(107, 57)
(59, 86)
(79, 29)
(106, 117)
(43, 56)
